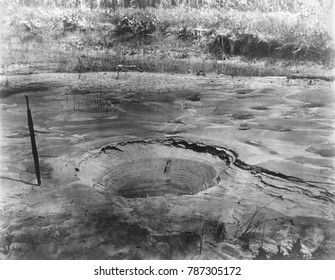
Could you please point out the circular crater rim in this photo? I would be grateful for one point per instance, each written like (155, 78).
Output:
(141, 168)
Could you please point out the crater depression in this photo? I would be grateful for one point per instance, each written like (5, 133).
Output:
(155, 167)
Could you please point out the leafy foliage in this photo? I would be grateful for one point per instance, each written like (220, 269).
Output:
(140, 23)
(59, 31)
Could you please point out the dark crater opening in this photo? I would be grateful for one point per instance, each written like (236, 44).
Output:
(161, 176)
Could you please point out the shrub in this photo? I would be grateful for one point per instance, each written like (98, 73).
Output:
(295, 252)
(139, 24)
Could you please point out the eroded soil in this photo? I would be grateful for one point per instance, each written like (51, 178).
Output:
(153, 166)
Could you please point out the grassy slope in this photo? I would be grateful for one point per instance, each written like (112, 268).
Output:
(35, 36)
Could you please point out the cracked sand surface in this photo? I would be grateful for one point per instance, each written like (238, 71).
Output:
(279, 138)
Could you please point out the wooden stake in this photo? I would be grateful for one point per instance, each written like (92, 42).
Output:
(74, 101)
(33, 142)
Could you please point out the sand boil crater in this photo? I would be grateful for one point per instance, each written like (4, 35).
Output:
(155, 167)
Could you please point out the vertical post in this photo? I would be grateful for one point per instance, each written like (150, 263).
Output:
(74, 101)
(33, 142)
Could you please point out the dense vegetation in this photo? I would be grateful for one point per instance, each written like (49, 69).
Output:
(160, 35)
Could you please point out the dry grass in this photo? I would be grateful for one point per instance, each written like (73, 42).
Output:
(35, 36)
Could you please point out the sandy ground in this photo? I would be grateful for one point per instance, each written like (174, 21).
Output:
(155, 166)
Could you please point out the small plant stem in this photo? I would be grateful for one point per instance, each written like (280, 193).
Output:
(263, 236)
(250, 220)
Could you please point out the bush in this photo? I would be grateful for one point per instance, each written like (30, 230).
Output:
(139, 24)
(295, 252)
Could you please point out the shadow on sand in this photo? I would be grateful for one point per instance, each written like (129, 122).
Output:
(16, 180)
